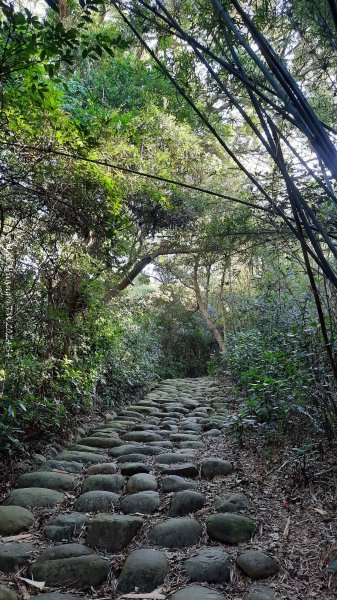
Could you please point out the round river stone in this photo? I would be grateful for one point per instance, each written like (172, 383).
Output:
(6, 593)
(14, 519)
(260, 593)
(83, 457)
(72, 565)
(186, 470)
(131, 468)
(14, 554)
(257, 565)
(142, 502)
(62, 482)
(106, 483)
(34, 497)
(186, 502)
(102, 469)
(143, 569)
(112, 532)
(175, 483)
(197, 592)
(210, 565)
(230, 528)
(97, 501)
(176, 533)
(141, 436)
(232, 503)
(141, 482)
(213, 467)
(64, 526)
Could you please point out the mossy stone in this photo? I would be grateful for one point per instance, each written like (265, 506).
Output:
(107, 483)
(6, 593)
(14, 519)
(143, 569)
(230, 528)
(97, 501)
(176, 533)
(61, 482)
(14, 554)
(34, 497)
(72, 565)
(112, 532)
(197, 592)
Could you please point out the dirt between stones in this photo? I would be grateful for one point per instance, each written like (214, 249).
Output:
(178, 436)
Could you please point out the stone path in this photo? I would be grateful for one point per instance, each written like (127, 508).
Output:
(131, 505)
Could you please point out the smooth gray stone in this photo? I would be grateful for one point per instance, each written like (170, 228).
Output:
(63, 527)
(212, 433)
(174, 483)
(230, 528)
(14, 519)
(231, 503)
(186, 502)
(127, 458)
(101, 442)
(143, 569)
(141, 436)
(132, 414)
(140, 483)
(178, 408)
(257, 565)
(176, 533)
(184, 437)
(145, 427)
(106, 483)
(181, 470)
(172, 458)
(259, 593)
(61, 482)
(34, 498)
(191, 445)
(131, 468)
(134, 449)
(14, 554)
(84, 449)
(163, 444)
(112, 532)
(72, 565)
(210, 565)
(142, 502)
(197, 592)
(213, 467)
(97, 501)
(102, 469)
(191, 426)
(6, 593)
(143, 410)
(208, 424)
(83, 457)
(68, 466)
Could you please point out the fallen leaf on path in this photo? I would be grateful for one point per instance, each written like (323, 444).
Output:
(320, 511)
(286, 529)
(36, 584)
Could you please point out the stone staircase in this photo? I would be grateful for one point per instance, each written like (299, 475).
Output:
(137, 507)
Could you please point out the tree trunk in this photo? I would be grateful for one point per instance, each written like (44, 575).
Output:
(215, 331)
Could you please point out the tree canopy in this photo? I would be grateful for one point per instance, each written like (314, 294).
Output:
(167, 205)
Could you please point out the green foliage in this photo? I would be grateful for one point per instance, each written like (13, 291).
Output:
(184, 341)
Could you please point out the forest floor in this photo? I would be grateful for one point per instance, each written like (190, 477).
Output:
(289, 499)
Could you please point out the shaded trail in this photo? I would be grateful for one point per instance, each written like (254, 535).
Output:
(137, 506)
